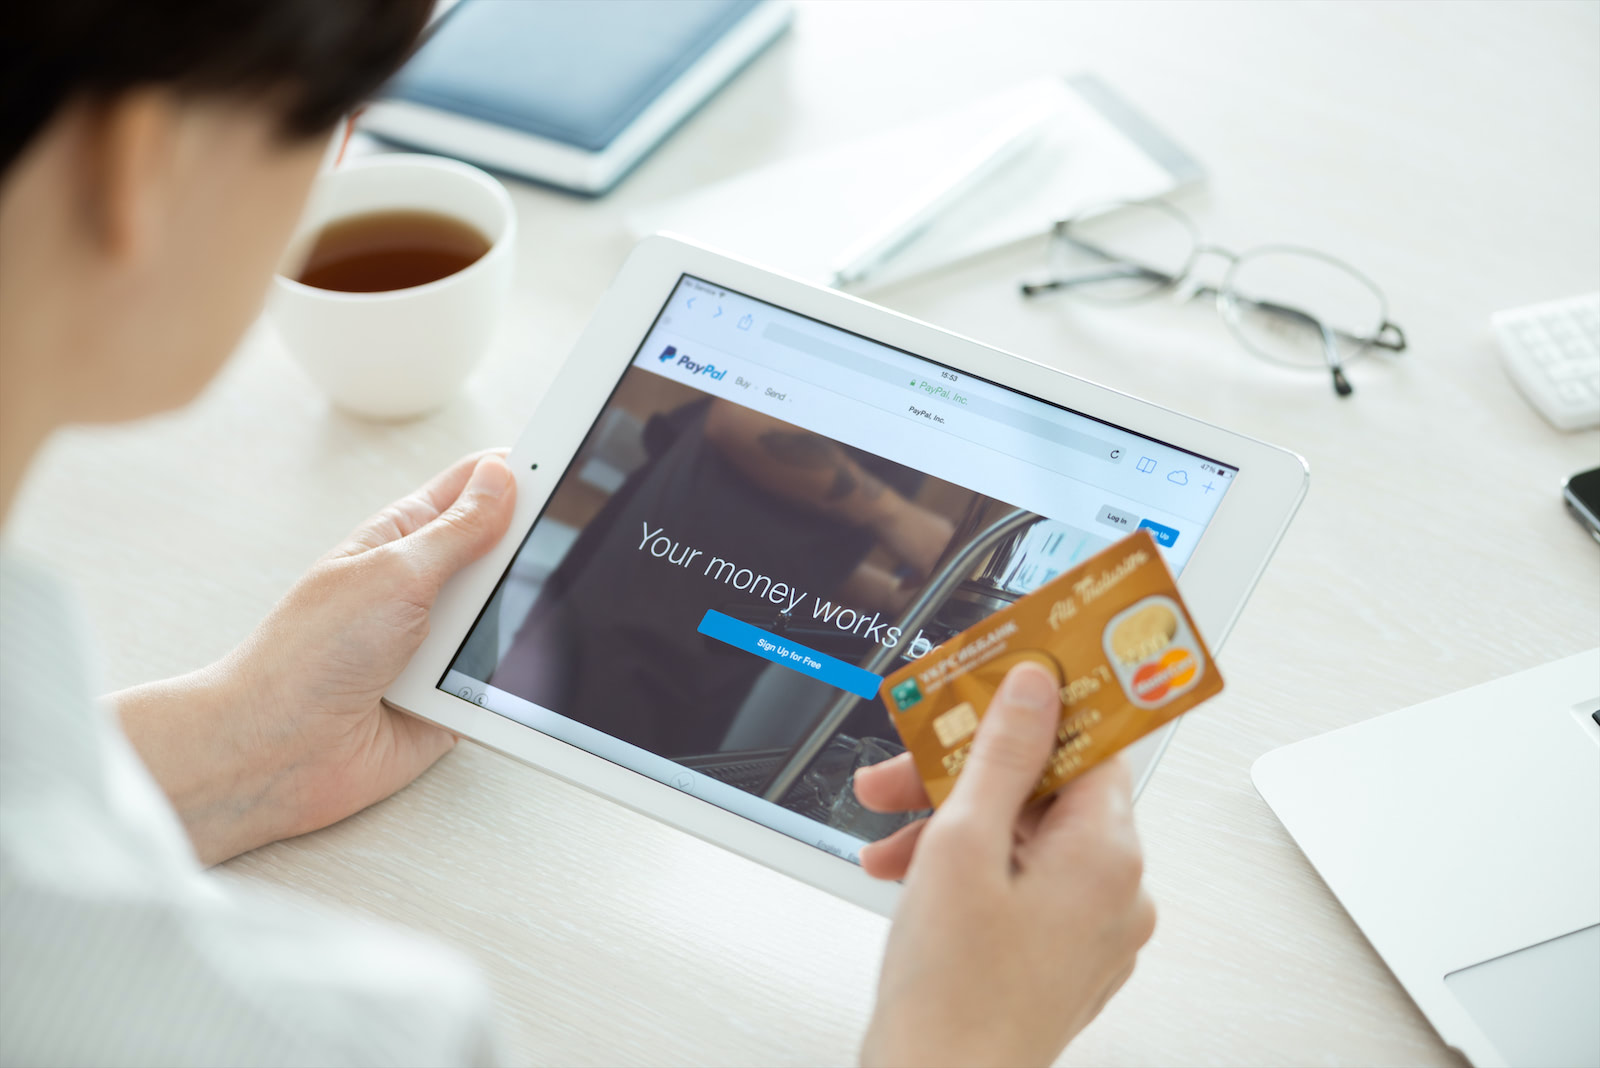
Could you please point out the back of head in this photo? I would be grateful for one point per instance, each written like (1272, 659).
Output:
(154, 155)
(316, 59)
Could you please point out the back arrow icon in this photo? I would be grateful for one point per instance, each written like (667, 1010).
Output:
(689, 304)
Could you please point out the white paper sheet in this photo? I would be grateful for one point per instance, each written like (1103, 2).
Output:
(798, 215)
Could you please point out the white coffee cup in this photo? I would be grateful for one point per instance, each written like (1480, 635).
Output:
(400, 353)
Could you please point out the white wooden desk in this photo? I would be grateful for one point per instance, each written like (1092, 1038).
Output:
(1450, 151)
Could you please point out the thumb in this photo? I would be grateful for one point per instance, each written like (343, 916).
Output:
(1009, 754)
(468, 528)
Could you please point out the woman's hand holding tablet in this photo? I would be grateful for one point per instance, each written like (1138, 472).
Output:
(289, 734)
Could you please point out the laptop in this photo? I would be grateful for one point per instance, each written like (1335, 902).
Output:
(1463, 837)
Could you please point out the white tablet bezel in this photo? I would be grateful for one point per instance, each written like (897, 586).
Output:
(1227, 561)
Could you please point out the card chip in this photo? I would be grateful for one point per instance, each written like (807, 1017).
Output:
(956, 724)
(1144, 633)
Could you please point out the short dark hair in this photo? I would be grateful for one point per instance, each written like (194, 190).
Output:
(318, 58)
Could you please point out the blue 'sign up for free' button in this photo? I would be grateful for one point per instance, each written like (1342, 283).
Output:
(791, 654)
(1165, 535)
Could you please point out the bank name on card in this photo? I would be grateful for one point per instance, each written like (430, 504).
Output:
(1115, 634)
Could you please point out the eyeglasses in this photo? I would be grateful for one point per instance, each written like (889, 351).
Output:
(1290, 305)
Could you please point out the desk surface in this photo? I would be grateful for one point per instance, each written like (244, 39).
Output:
(1451, 151)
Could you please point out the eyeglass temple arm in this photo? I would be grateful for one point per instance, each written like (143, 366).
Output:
(1123, 268)
(1330, 350)
(1330, 344)
(1129, 270)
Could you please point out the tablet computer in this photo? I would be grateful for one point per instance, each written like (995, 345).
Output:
(745, 498)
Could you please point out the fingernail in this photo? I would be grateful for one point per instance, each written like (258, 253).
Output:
(1032, 687)
(490, 478)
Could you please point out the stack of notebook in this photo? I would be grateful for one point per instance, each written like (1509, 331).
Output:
(572, 93)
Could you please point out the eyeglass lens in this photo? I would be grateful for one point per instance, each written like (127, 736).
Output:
(1277, 300)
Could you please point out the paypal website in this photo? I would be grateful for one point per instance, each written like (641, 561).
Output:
(768, 516)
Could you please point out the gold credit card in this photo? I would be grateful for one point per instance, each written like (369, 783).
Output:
(1115, 634)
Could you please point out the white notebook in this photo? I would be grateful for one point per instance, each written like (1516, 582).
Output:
(799, 215)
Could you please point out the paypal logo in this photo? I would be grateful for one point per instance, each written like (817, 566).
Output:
(693, 367)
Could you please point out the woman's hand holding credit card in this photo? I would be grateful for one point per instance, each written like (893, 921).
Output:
(1019, 919)
(1113, 632)
(1033, 847)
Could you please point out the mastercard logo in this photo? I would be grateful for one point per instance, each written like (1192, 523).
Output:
(1171, 673)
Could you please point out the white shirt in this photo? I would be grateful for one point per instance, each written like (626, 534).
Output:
(115, 947)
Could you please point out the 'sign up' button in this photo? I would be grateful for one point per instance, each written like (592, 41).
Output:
(791, 654)
(1165, 535)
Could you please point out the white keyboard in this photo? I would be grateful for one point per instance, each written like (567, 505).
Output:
(1552, 352)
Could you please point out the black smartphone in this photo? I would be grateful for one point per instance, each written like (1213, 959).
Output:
(1582, 494)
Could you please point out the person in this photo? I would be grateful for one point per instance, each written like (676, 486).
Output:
(154, 157)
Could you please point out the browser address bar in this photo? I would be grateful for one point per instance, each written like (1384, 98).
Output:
(1098, 448)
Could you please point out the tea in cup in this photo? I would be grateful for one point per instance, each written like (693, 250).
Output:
(393, 288)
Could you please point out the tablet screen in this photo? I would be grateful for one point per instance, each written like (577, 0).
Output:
(769, 515)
